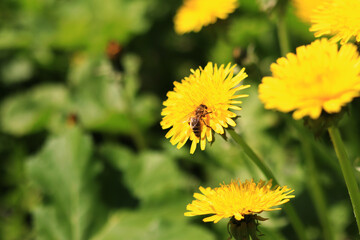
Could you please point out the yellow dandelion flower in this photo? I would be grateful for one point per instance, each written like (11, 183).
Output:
(340, 18)
(305, 8)
(319, 77)
(201, 103)
(237, 200)
(194, 14)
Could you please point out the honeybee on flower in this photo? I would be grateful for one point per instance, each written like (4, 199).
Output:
(201, 103)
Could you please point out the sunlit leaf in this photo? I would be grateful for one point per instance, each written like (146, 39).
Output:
(65, 173)
(107, 101)
(18, 70)
(146, 225)
(151, 175)
(92, 24)
(245, 30)
(33, 110)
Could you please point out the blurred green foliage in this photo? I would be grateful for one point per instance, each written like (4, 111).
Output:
(82, 152)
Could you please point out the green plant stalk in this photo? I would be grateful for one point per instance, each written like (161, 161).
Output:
(136, 134)
(347, 170)
(315, 189)
(310, 140)
(313, 184)
(290, 211)
(282, 30)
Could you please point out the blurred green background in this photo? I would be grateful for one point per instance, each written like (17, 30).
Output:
(83, 155)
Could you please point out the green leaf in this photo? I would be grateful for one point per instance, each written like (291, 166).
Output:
(19, 69)
(17, 197)
(245, 30)
(298, 30)
(34, 110)
(10, 38)
(49, 225)
(222, 51)
(146, 110)
(109, 102)
(101, 107)
(63, 170)
(151, 176)
(148, 225)
(339, 216)
(91, 24)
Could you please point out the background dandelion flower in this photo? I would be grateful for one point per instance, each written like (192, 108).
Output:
(237, 200)
(340, 18)
(213, 91)
(305, 8)
(194, 14)
(319, 77)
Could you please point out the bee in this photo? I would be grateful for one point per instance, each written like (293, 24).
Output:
(197, 119)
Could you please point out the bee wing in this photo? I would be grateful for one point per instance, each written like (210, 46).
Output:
(193, 121)
(188, 117)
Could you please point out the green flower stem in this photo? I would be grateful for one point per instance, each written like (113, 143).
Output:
(252, 155)
(138, 138)
(282, 30)
(313, 184)
(347, 170)
(135, 132)
(309, 139)
(315, 189)
(290, 211)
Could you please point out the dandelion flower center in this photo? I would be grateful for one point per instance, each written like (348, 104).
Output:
(201, 103)
(237, 200)
(319, 77)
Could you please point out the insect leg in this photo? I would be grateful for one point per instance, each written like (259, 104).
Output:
(205, 123)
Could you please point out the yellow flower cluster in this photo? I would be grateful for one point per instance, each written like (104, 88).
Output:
(237, 199)
(337, 18)
(340, 18)
(305, 8)
(201, 103)
(195, 14)
(319, 77)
